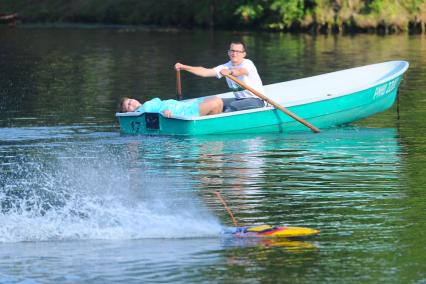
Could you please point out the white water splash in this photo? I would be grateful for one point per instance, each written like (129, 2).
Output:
(104, 196)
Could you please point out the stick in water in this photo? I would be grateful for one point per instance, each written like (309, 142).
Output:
(226, 207)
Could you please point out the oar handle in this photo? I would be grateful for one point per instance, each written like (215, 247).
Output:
(178, 85)
(271, 102)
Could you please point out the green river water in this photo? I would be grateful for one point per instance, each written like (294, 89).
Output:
(81, 203)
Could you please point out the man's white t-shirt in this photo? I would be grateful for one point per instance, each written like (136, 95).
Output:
(252, 79)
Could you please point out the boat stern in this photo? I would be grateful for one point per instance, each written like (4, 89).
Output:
(151, 123)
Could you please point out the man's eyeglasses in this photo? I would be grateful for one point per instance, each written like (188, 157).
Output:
(235, 51)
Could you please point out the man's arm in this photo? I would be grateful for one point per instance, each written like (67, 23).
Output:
(196, 70)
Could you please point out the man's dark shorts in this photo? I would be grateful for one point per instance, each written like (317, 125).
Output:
(233, 104)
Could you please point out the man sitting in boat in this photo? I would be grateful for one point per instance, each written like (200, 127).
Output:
(240, 67)
(169, 108)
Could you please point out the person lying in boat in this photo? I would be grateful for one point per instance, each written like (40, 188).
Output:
(169, 108)
(240, 67)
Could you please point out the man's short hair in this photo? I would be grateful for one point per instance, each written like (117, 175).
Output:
(239, 42)
(121, 107)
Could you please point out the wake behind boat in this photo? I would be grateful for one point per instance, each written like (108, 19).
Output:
(325, 101)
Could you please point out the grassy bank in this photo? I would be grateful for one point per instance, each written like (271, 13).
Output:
(325, 16)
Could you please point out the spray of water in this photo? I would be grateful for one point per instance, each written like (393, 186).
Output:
(96, 194)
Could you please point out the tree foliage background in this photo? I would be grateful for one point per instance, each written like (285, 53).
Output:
(287, 15)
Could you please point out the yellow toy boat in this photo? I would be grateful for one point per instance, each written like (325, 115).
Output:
(267, 231)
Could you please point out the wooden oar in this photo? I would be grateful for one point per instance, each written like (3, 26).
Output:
(226, 207)
(178, 85)
(268, 100)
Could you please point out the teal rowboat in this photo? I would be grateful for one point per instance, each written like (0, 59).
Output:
(325, 101)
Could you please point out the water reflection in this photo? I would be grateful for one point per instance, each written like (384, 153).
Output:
(273, 179)
(80, 77)
(362, 186)
(345, 182)
(140, 260)
(300, 179)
